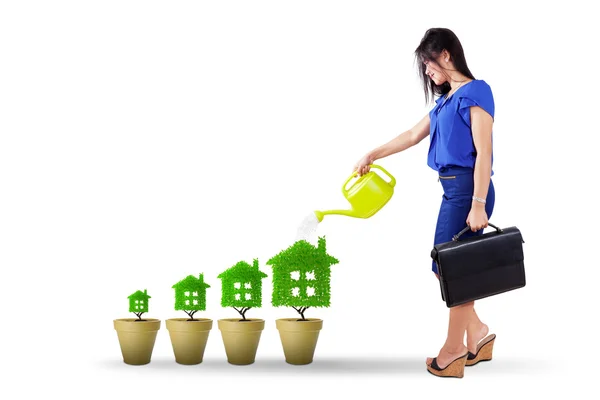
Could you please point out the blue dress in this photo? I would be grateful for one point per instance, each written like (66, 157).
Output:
(452, 153)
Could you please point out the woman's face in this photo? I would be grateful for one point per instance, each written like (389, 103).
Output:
(435, 72)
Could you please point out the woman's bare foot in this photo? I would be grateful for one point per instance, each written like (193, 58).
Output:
(475, 332)
(446, 356)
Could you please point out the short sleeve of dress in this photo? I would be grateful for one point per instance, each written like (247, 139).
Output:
(479, 94)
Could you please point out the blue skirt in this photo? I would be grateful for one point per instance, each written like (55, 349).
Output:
(458, 186)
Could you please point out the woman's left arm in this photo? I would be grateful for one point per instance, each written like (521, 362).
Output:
(481, 127)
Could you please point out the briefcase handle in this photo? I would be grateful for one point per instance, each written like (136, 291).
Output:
(455, 237)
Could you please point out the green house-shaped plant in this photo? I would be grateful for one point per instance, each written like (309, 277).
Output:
(190, 295)
(138, 303)
(301, 276)
(241, 287)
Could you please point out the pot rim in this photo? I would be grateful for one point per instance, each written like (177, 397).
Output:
(144, 320)
(294, 325)
(134, 325)
(240, 320)
(297, 319)
(188, 320)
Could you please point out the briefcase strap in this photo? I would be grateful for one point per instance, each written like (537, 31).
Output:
(455, 237)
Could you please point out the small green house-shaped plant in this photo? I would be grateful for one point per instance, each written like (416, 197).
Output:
(138, 303)
(136, 335)
(189, 335)
(241, 288)
(301, 279)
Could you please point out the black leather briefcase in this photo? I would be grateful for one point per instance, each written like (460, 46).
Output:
(480, 266)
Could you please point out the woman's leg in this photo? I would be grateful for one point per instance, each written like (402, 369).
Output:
(460, 316)
(451, 219)
(476, 330)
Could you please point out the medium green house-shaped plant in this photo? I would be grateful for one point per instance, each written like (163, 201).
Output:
(189, 335)
(241, 288)
(190, 295)
(301, 279)
(136, 335)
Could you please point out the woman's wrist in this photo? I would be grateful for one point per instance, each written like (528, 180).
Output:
(476, 202)
(373, 155)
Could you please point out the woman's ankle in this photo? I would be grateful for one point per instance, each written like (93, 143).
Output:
(454, 348)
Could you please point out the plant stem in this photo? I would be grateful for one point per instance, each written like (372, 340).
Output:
(300, 311)
(191, 314)
(242, 311)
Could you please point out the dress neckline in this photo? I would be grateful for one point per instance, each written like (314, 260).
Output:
(446, 98)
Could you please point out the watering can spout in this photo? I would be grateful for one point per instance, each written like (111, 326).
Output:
(319, 215)
(349, 213)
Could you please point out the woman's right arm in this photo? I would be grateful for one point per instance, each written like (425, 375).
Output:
(400, 143)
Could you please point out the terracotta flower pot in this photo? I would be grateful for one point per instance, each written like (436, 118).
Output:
(189, 338)
(136, 339)
(241, 339)
(299, 338)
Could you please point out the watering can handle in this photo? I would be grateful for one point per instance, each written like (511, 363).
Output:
(392, 182)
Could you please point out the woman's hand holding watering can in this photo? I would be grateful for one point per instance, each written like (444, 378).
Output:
(364, 164)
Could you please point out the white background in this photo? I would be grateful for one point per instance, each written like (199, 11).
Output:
(144, 141)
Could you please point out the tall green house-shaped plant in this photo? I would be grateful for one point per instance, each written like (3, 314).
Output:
(241, 288)
(190, 335)
(302, 276)
(301, 279)
(136, 335)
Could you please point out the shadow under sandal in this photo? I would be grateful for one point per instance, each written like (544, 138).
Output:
(484, 351)
(456, 369)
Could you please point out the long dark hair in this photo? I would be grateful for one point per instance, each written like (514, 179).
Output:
(433, 43)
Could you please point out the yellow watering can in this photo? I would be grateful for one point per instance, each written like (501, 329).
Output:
(367, 195)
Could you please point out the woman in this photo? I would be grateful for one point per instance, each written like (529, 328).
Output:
(460, 150)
